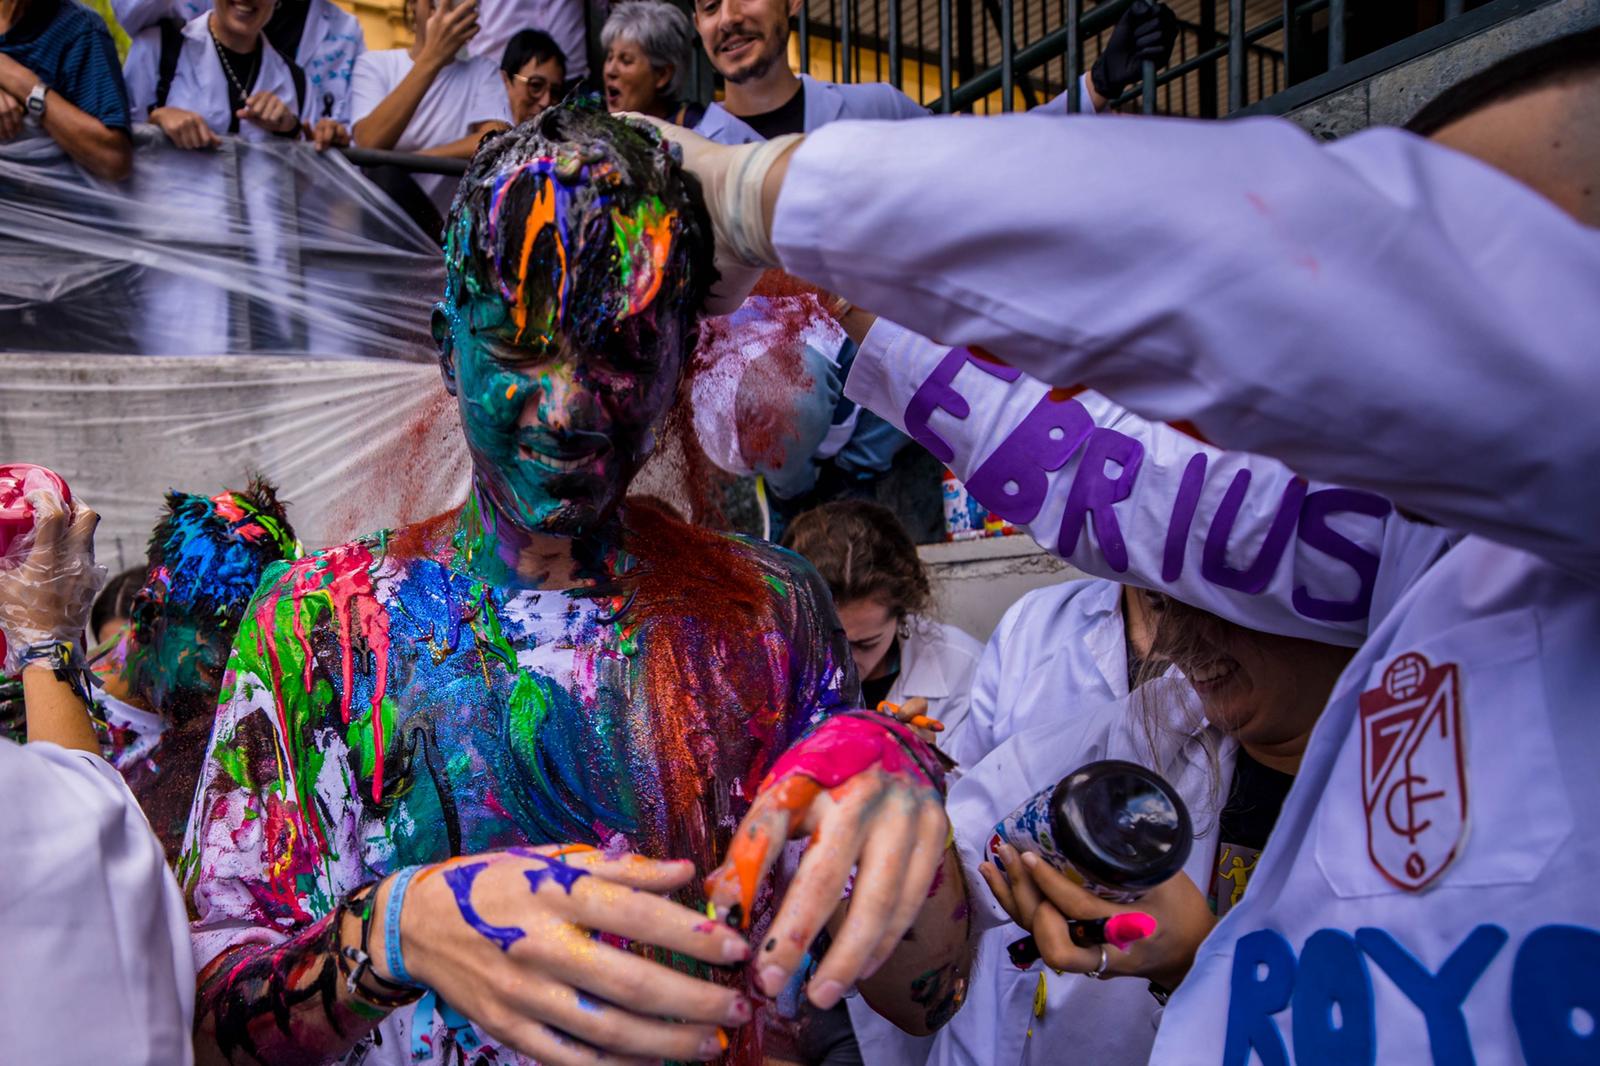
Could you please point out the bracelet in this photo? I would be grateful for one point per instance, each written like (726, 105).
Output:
(391, 927)
(64, 660)
(355, 963)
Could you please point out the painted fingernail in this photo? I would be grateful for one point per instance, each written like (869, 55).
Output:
(824, 994)
(771, 979)
(740, 1012)
(734, 950)
(713, 1046)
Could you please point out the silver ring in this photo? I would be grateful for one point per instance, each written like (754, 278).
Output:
(1100, 971)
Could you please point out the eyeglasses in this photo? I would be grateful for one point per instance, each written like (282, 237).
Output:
(532, 86)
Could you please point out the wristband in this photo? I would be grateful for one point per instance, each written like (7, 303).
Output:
(391, 927)
(747, 234)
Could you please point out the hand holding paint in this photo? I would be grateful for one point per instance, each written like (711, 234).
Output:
(733, 182)
(1075, 931)
(48, 576)
(513, 941)
(867, 790)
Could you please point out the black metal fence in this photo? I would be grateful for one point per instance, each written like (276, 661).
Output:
(987, 56)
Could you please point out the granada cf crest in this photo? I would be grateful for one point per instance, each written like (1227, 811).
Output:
(1413, 771)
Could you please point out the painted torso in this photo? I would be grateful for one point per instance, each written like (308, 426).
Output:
(384, 708)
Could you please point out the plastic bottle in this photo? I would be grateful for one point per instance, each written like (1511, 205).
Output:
(1113, 826)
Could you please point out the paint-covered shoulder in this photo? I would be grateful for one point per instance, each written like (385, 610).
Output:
(786, 573)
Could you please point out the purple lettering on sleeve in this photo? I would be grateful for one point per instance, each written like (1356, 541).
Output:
(1094, 493)
(1188, 498)
(936, 394)
(1316, 533)
(1214, 560)
(1012, 481)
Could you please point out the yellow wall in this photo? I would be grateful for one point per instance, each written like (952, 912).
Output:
(865, 64)
(383, 22)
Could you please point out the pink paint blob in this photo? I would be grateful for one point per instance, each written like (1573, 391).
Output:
(1125, 929)
(17, 480)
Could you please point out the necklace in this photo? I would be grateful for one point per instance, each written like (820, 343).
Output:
(227, 68)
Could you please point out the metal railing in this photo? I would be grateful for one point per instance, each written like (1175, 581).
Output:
(1231, 56)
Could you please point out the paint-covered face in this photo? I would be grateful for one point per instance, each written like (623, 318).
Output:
(561, 336)
(558, 429)
(179, 671)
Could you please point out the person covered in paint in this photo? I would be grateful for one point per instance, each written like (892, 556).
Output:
(1460, 392)
(160, 681)
(448, 755)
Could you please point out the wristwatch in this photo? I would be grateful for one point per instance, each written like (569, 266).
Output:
(35, 102)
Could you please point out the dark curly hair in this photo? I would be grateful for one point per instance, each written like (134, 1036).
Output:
(578, 220)
(862, 552)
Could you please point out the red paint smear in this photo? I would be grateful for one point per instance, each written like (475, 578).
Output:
(390, 483)
(355, 606)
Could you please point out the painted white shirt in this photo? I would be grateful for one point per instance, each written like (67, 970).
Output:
(463, 95)
(87, 904)
(1389, 315)
(937, 661)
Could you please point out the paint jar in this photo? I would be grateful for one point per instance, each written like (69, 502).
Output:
(967, 519)
(1114, 827)
(16, 513)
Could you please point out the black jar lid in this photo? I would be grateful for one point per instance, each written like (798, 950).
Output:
(1121, 824)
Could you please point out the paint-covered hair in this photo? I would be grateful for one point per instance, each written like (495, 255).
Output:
(207, 555)
(578, 220)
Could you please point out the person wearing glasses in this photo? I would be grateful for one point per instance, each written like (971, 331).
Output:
(534, 69)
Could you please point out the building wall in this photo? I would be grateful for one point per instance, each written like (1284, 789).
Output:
(383, 22)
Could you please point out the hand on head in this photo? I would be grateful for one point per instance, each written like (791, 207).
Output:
(511, 939)
(1042, 900)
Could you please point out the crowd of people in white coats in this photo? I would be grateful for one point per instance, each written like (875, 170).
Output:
(1316, 419)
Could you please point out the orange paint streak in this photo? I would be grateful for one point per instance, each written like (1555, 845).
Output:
(659, 240)
(511, 390)
(540, 215)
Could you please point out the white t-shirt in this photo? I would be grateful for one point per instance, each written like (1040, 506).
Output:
(464, 94)
(500, 20)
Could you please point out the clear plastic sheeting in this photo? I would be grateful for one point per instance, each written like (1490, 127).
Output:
(352, 446)
(250, 249)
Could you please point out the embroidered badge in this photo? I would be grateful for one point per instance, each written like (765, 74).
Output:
(1413, 771)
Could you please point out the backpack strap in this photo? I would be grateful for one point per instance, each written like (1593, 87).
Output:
(171, 49)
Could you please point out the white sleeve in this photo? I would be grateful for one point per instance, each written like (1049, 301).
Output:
(973, 737)
(139, 73)
(489, 100)
(1382, 313)
(368, 85)
(87, 904)
(1142, 503)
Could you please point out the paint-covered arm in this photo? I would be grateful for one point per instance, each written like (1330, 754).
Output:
(1382, 313)
(259, 868)
(1141, 503)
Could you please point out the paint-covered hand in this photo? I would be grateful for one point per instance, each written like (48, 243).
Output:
(866, 790)
(48, 577)
(185, 129)
(914, 713)
(509, 939)
(732, 179)
(1042, 900)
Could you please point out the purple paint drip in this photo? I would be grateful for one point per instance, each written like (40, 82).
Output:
(1214, 560)
(1042, 443)
(1314, 530)
(1188, 498)
(460, 879)
(554, 871)
(935, 394)
(1093, 493)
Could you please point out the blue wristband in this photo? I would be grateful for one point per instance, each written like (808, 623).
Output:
(391, 927)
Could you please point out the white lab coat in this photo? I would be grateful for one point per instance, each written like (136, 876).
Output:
(96, 965)
(230, 192)
(826, 101)
(328, 48)
(937, 662)
(1390, 315)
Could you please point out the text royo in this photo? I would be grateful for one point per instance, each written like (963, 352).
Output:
(1013, 482)
(1554, 998)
